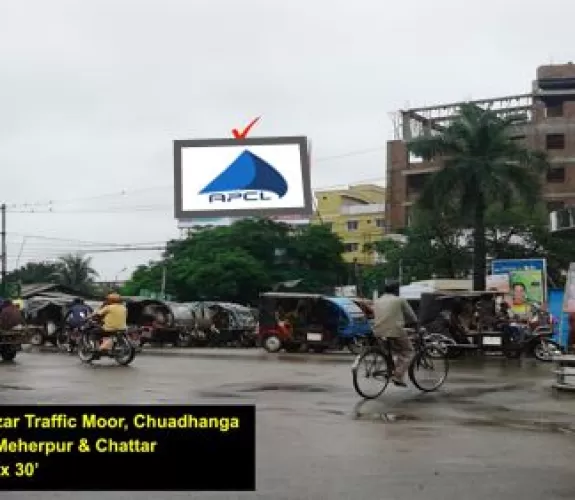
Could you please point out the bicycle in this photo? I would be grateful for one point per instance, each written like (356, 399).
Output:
(429, 355)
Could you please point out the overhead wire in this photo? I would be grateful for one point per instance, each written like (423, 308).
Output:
(52, 206)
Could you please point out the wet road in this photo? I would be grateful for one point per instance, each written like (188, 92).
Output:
(495, 431)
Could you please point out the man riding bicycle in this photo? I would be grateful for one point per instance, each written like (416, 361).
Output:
(114, 316)
(391, 314)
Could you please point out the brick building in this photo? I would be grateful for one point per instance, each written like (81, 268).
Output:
(549, 125)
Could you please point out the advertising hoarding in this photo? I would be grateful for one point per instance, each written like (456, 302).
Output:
(238, 178)
(527, 281)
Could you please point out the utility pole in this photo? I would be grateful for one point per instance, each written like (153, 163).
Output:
(4, 259)
(164, 277)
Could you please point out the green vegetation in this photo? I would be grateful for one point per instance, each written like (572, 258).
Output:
(238, 262)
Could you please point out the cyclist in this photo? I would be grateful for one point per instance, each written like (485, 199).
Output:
(114, 315)
(391, 315)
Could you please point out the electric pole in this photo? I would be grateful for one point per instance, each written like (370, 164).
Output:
(4, 259)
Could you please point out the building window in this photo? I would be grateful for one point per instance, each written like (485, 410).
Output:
(380, 223)
(352, 225)
(556, 175)
(555, 141)
(554, 110)
(553, 206)
(415, 183)
(351, 247)
(408, 216)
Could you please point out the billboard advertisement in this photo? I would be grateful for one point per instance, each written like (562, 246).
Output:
(527, 281)
(569, 296)
(239, 178)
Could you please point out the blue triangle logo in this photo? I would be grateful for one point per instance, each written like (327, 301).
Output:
(248, 172)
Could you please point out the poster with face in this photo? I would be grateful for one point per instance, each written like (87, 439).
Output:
(569, 298)
(526, 287)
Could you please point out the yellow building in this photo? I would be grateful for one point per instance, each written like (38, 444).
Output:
(356, 215)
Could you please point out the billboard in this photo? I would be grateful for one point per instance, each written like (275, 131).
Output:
(527, 281)
(239, 178)
(569, 296)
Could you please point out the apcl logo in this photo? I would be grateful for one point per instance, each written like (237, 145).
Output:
(247, 178)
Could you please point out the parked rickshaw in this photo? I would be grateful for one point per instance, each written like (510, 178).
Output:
(486, 332)
(224, 324)
(44, 318)
(154, 318)
(299, 321)
(11, 342)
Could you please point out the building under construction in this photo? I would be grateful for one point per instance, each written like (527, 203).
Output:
(548, 124)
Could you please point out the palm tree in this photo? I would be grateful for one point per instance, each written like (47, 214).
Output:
(482, 165)
(76, 271)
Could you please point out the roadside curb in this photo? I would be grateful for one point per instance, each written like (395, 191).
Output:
(251, 354)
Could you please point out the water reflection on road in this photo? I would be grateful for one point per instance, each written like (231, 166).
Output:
(495, 430)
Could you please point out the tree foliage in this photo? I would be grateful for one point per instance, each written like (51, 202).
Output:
(34, 272)
(237, 262)
(76, 271)
(483, 166)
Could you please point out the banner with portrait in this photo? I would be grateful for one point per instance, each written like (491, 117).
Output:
(527, 282)
(569, 296)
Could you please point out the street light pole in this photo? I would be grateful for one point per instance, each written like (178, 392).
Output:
(4, 256)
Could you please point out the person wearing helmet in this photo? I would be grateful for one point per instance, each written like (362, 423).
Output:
(114, 316)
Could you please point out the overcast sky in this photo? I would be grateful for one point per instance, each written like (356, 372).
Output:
(93, 93)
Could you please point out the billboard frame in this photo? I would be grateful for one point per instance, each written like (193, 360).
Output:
(543, 262)
(301, 141)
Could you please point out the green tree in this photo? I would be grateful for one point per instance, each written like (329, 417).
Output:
(35, 272)
(434, 246)
(237, 262)
(76, 271)
(482, 165)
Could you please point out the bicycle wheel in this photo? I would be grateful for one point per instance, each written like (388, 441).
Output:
(438, 345)
(428, 369)
(370, 374)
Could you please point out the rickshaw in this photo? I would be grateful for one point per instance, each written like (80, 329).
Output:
(485, 332)
(299, 321)
(224, 324)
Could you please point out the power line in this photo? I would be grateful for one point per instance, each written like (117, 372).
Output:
(26, 207)
(157, 207)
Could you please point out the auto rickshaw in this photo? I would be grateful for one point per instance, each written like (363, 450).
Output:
(478, 314)
(300, 321)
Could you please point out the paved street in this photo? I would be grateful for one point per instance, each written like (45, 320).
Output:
(495, 431)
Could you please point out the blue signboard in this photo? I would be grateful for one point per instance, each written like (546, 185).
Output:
(505, 266)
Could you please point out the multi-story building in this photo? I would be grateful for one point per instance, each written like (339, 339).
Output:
(549, 125)
(356, 215)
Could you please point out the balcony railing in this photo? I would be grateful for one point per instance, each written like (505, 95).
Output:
(371, 208)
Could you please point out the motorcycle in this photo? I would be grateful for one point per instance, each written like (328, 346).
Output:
(123, 350)
(536, 342)
(67, 339)
(135, 336)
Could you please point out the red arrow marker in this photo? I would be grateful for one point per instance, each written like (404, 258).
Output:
(244, 133)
